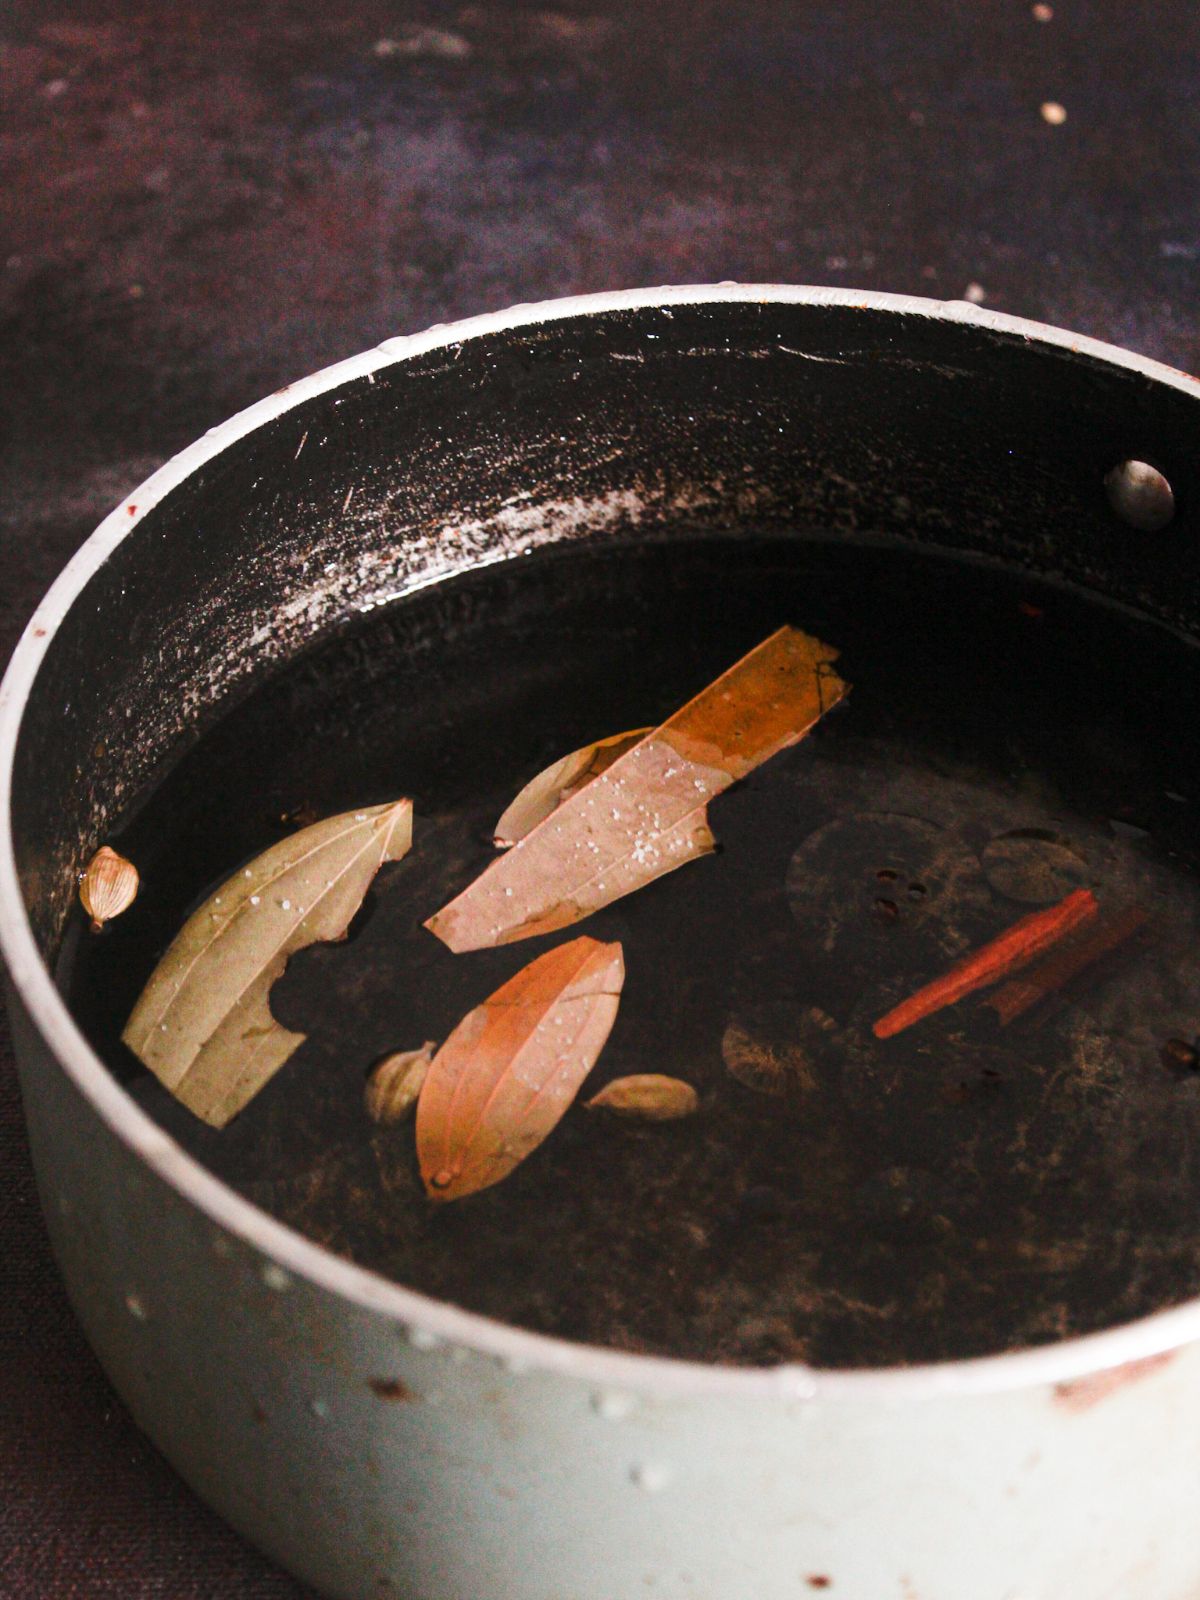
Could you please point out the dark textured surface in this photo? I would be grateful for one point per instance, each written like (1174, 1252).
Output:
(202, 202)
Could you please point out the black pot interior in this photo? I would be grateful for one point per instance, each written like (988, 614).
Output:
(654, 432)
(726, 417)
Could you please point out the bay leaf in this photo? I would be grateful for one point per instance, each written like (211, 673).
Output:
(203, 1023)
(646, 814)
(510, 1069)
(558, 782)
(647, 1096)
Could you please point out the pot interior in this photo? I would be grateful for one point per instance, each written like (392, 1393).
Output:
(434, 580)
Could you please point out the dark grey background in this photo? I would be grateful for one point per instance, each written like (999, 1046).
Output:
(203, 200)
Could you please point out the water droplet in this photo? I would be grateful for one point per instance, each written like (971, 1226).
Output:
(613, 1405)
(423, 1339)
(275, 1277)
(136, 1306)
(319, 1408)
(651, 1476)
(285, 905)
(255, 899)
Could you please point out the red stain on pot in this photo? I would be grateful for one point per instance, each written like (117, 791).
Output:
(818, 1580)
(390, 1389)
(1080, 1394)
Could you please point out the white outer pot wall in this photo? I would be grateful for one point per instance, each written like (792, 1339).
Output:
(371, 1458)
(585, 1475)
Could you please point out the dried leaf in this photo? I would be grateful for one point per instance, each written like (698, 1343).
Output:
(203, 1024)
(107, 886)
(511, 1068)
(648, 1096)
(646, 815)
(558, 782)
(395, 1082)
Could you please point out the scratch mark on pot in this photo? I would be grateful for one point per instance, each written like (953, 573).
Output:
(300, 446)
(390, 1389)
(1080, 1394)
(807, 355)
(347, 500)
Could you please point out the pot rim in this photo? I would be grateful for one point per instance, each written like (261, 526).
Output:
(435, 1321)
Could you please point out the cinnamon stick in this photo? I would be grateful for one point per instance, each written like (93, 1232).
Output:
(1058, 969)
(1016, 947)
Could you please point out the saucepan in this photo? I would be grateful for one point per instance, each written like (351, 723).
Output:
(376, 1439)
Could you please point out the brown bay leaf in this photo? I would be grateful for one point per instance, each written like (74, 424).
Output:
(510, 1069)
(647, 1097)
(558, 782)
(203, 1023)
(646, 814)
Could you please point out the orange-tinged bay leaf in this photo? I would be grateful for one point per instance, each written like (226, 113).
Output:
(647, 813)
(203, 1023)
(508, 1072)
(558, 782)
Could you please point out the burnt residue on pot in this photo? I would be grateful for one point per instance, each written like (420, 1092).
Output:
(390, 1389)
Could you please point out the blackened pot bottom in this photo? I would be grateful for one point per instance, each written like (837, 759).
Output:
(962, 1188)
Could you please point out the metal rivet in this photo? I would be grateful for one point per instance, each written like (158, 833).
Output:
(1140, 495)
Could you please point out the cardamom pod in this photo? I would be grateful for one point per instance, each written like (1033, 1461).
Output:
(648, 1096)
(395, 1082)
(108, 885)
